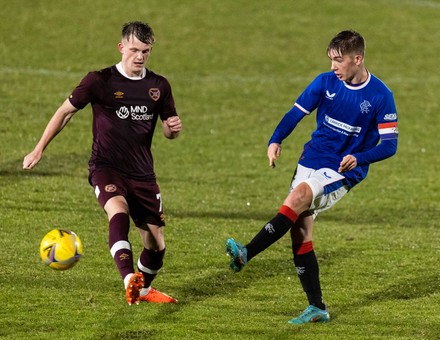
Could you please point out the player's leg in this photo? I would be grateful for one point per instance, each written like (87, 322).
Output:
(147, 213)
(110, 191)
(151, 261)
(151, 258)
(327, 187)
(120, 247)
(307, 268)
(297, 202)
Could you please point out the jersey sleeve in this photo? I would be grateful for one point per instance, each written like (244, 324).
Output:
(83, 94)
(309, 99)
(168, 105)
(286, 125)
(304, 105)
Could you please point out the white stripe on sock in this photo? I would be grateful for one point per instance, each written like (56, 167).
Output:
(144, 269)
(118, 246)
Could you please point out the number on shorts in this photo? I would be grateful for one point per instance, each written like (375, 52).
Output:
(159, 197)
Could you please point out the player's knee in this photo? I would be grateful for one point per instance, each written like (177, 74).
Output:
(300, 198)
(116, 205)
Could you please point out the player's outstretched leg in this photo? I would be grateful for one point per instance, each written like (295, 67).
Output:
(133, 287)
(311, 314)
(154, 296)
(238, 254)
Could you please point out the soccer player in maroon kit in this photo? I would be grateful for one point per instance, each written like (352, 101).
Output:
(127, 99)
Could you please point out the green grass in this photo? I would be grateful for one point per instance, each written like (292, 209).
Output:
(236, 67)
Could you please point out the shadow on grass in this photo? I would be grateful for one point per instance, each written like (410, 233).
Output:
(49, 166)
(409, 216)
(227, 215)
(407, 289)
(205, 286)
(403, 290)
(224, 283)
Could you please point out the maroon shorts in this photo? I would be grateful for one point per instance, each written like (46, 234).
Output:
(143, 197)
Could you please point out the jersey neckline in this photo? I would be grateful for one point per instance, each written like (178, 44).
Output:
(122, 72)
(360, 86)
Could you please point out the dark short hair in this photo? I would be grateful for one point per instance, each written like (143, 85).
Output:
(347, 42)
(140, 30)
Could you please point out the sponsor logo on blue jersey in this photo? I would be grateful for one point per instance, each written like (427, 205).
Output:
(390, 116)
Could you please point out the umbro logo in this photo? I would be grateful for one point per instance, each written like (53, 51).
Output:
(329, 95)
(124, 256)
(119, 95)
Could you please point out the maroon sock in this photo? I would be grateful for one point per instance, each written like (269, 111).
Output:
(149, 264)
(120, 247)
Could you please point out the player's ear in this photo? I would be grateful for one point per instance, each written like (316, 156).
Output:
(121, 47)
(358, 59)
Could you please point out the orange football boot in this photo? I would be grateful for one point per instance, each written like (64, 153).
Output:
(135, 284)
(154, 296)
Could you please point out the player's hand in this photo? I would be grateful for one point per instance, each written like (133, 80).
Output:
(348, 163)
(174, 124)
(31, 160)
(273, 153)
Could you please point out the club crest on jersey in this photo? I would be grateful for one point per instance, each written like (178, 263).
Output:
(154, 93)
(119, 95)
(110, 188)
(365, 106)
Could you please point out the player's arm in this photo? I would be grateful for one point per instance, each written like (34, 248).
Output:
(172, 127)
(283, 129)
(55, 125)
(384, 150)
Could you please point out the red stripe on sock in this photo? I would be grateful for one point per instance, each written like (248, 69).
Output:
(303, 248)
(289, 213)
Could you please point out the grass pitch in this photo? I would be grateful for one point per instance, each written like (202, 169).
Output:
(235, 67)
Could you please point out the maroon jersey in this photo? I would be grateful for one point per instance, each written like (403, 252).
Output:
(125, 112)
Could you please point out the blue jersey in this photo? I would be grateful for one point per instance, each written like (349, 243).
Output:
(350, 120)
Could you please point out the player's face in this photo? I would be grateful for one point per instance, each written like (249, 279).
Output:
(135, 54)
(346, 67)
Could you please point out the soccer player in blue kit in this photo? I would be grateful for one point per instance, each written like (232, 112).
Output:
(127, 100)
(356, 125)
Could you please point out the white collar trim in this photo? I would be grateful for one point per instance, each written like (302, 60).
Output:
(121, 71)
(351, 87)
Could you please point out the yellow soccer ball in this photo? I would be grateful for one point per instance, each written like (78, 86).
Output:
(61, 249)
